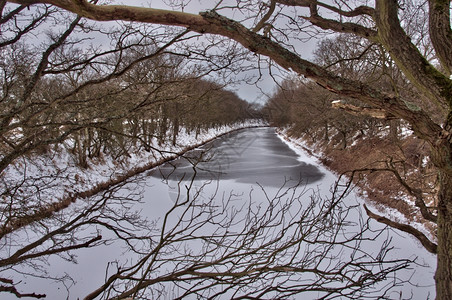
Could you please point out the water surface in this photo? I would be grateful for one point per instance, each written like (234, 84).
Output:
(243, 170)
(251, 156)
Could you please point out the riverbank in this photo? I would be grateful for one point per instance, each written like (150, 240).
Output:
(380, 190)
(53, 180)
(152, 219)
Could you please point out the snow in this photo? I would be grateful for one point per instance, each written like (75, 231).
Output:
(405, 245)
(405, 131)
(158, 198)
(57, 176)
(300, 148)
(425, 161)
(44, 179)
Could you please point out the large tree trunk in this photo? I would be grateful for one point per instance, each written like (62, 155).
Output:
(441, 32)
(443, 275)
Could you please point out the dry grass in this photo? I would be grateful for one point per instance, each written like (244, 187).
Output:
(407, 155)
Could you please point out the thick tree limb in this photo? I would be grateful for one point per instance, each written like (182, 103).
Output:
(361, 10)
(14, 291)
(266, 17)
(211, 22)
(344, 27)
(17, 259)
(357, 110)
(441, 32)
(123, 13)
(429, 81)
(429, 245)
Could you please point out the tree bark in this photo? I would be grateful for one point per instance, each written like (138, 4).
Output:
(175, 123)
(443, 276)
(441, 32)
(430, 246)
(429, 81)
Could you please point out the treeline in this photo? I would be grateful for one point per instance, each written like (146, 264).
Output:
(101, 99)
(310, 109)
(149, 116)
(305, 109)
(311, 106)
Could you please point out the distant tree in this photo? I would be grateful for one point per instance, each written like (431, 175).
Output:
(305, 108)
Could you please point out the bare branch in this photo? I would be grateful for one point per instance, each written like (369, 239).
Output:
(416, 193)
(344, 27)
(12, 289)
(429, 245)
(361, 10)
(211, 22)
(11, 14)
(18, 35)
(421, 73)
(266, 17)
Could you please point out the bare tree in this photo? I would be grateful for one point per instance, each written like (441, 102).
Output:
(271, 30)
(69, 92)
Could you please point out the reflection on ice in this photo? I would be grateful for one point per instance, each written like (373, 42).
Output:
(251, 156)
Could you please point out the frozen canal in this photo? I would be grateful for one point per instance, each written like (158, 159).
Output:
(248, 157)
(205, 209)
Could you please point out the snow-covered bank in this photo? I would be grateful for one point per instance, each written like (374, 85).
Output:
(53, 180)
(366, 189)
(422, 280)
